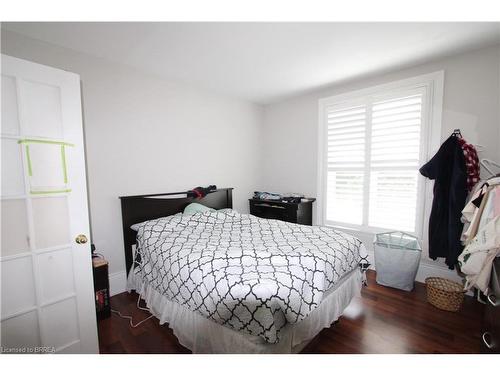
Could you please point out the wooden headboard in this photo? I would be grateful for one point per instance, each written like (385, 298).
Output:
(139, 208)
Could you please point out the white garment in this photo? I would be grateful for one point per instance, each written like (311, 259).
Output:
(489, 208)
(477, 258)
(471, 213)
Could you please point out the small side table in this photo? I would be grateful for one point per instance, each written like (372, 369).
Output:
(299, 213)
(101, 288)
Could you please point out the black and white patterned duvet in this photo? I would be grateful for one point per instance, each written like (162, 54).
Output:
(249, 274)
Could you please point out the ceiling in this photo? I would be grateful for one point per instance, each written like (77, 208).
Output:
(264, 62)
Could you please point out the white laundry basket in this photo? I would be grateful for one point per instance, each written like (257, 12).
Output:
(397, 257)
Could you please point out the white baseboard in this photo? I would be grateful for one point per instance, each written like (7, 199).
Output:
(426, 270)
(117, 283)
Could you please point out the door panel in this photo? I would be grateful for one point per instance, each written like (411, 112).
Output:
(47, 166)
(56, 271)
(15, 232)
(47, 287)
(17, 275)
(12, 168)
(60, 333)
(21, 331)
(10, 119)
(41, 109)
(51, 221)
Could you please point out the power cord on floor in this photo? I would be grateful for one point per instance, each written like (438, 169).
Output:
(130, 319)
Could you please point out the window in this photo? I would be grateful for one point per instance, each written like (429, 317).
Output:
(372, 143)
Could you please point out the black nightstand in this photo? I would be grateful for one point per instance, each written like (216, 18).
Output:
(101, 288)
(299, 213)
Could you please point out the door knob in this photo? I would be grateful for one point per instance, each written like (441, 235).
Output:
(81, 239)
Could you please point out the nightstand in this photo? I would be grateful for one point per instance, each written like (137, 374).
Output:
(299, 213)
(101, 288)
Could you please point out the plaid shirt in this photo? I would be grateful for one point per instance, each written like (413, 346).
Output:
(471, 162)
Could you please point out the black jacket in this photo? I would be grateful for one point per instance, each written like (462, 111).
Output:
(448, 170)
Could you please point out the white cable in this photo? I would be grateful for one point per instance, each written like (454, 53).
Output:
(130, 319)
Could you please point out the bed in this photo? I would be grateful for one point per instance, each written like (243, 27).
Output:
(227, 282)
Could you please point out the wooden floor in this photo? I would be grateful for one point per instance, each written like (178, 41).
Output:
(382, 320)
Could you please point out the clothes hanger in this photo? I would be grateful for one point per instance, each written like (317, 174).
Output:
(489, 166)
(479, 148)
(458, 133)
(494, 180)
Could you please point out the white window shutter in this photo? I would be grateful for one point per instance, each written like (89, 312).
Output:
(373, 155)
(395, 153)
(346, 137)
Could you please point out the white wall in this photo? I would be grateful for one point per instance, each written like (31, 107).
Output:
(147, 135)
(471, 103)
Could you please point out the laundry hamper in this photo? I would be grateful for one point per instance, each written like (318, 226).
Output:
(444, 294)
(397, 257)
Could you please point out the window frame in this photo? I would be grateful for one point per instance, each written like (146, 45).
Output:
(432, 87)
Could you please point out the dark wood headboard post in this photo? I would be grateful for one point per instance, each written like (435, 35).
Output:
(139, 208)
(229, 197)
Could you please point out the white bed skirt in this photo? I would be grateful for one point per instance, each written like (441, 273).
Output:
(202, 335)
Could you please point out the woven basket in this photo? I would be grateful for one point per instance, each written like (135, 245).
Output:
(444, 294)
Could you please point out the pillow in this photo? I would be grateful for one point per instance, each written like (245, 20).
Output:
(193, 208)
(135, 227)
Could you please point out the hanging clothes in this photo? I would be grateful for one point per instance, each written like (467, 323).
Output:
(472, 213)
(477, 258)
(471, 163)
(489, 208)
(496, 202)
(448, 170)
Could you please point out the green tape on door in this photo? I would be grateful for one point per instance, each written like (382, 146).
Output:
(63, 145)
(28, 159)
(63, 159)
(46, 141)
(51, 191)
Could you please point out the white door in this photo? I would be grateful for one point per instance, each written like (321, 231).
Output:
(47, 299)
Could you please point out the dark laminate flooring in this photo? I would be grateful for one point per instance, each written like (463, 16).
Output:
(382, 320)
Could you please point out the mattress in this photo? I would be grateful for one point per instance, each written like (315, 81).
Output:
(246, 273)
(202, 335)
